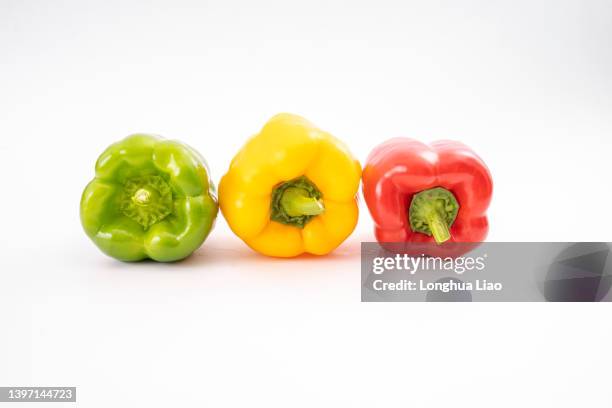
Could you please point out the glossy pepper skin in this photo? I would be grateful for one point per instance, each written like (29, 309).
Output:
(150, 198)
(455, 187)
(291, 190)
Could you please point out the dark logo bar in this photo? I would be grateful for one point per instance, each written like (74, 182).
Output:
(486, 272)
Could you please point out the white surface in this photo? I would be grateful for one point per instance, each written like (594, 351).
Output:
(527, 84)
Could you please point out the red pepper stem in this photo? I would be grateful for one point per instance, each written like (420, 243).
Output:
(439, 228)
(432, 212)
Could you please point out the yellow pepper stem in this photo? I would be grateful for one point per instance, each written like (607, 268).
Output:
(296, 202)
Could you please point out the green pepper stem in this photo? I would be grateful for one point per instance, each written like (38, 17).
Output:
(296, 202)
(439, 228)
(142, 196)
(146, 200)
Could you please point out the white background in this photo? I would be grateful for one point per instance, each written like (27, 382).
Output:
(527, 84)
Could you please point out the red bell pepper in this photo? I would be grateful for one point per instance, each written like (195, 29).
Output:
(427, 193)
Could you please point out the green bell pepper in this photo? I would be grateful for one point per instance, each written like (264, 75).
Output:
(150, 198)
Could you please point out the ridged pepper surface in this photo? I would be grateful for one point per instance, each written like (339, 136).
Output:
(418, 193)
(150, 198)
(291, 190)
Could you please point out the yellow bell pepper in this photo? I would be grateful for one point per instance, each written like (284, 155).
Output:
(291, 190)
